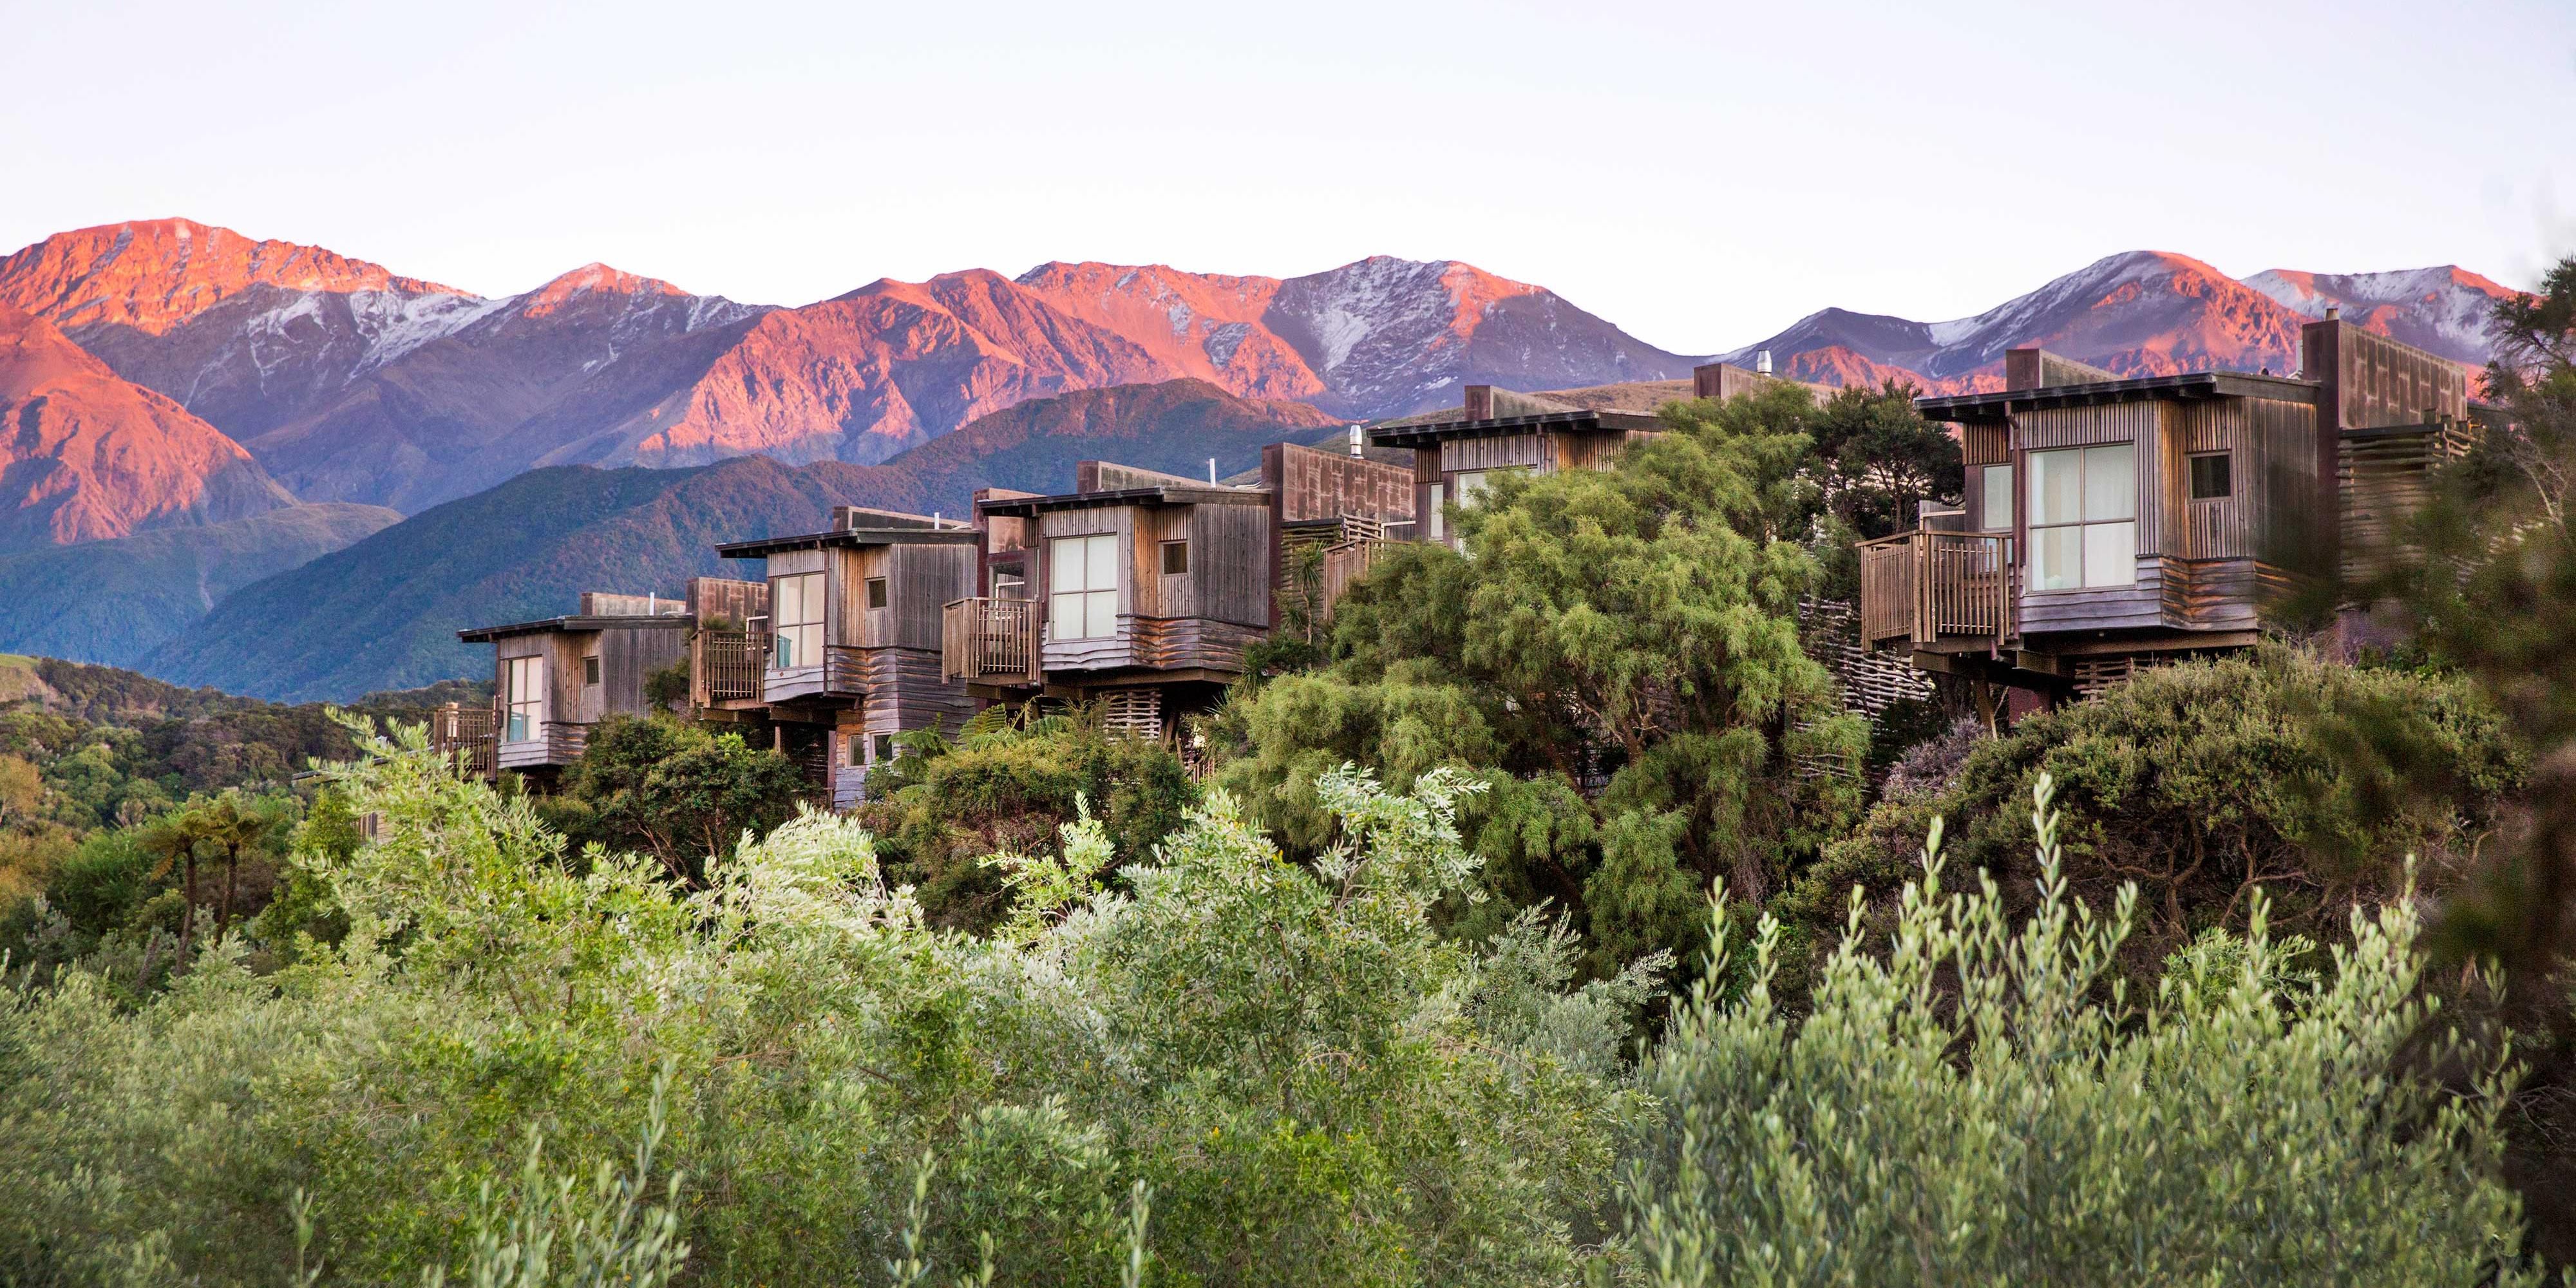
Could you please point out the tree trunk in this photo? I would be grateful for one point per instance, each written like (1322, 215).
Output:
(188, 908)
(232, 870)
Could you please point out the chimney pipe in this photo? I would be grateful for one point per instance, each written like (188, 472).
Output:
(1356, 448)
(1762, 362)
(2334, 312)
(1211, 470)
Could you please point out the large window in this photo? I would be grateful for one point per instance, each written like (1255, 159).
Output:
(1997, 501)
(1082, 588)
(796, 603)
(1435, 525)
(2083, 517)
(524, 685)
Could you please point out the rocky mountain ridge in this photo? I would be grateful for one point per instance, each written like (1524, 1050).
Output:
(2141, 313)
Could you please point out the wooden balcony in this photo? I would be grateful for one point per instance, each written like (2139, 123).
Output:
(841, 672)
(994, 641)
(726, 666)
(1931, 588)
(467, 736)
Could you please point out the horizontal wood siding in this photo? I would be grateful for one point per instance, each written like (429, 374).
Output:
(2139, 604)
(1091, 654)
(562, 744)
(1171, 644)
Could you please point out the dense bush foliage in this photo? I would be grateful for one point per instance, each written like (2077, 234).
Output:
(672, 790)
(1234, 1070)
(1311, 1085)
(2199, 783)
(1981, 1104)
(942, 810)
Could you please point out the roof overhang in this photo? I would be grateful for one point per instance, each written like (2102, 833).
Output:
(1994, 408)
(1565, 422)
(575, 622)
(1029, 507)
(961, 535)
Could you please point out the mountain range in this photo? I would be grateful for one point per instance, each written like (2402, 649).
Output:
(166, 374)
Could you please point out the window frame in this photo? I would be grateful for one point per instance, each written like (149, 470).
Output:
(880, 593)
(590, 670)
(1164, 552)
(1095, 608)
(2086, 525)
(796, 645)
(880, 748)
(2226, 461)
(523, 699)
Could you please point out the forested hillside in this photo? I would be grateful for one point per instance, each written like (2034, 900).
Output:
(383, 614)
(115, 601)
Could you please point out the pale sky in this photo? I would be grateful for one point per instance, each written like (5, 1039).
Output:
(1700, 174)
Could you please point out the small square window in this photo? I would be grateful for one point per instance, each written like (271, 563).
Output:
(2213, 476)
(884, 747)
(590, 669)
(1176, 557)
(876, 592)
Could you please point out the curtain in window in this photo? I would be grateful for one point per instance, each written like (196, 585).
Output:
(2083, 512)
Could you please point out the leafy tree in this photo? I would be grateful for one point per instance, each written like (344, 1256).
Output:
(1884, 459)
(2484, 575)
(173, 842)
(1622, 653)
(674, 791)
(1983, 1105)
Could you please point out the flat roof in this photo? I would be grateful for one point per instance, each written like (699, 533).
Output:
(1424, 435)
(1029, 507)
(575, 622)
(959, 534)
(1969, 408)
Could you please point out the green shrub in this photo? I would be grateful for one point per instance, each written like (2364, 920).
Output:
(2199, 782)
(1983, 1105)
(1308, 1083)
(657, 786)
(943, 810)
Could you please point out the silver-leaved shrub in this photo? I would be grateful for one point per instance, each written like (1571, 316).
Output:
(525, 1066)
(1983, 1105)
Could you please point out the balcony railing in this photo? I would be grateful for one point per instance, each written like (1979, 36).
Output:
(467, 735)
(728, 664)
(1924, 587)
(990, 639)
